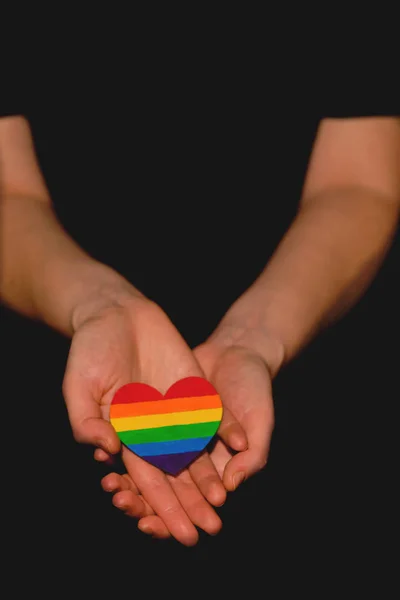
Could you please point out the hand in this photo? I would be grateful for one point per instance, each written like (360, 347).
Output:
(240, 363)
(135, 341)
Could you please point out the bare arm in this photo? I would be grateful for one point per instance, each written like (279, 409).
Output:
(44, 274)
(347, 217)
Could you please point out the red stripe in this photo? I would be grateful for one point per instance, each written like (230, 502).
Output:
(136, 392)
(191, 387)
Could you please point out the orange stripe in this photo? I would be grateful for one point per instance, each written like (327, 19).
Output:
(164, 406)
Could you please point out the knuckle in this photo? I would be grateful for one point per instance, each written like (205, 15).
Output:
(171, 509)
(155, 482)
(151, 483)
(261, 463)
(77, 435)
(196, 508)
(208, 481)
(65, 388)
(150, 310)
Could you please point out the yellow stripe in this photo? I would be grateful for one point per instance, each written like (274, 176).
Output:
(164, 420)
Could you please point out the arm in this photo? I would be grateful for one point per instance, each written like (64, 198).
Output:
(44, 274)
(115, 333)
(347, 218)
(346, 221)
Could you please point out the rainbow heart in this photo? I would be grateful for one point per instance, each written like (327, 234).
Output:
(167, 431)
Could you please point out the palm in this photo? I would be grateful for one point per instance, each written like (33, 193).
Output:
(243, 380)
(114, 349)
(244, 384)
(110, 350)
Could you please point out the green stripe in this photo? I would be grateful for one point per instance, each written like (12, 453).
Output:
(170, 433)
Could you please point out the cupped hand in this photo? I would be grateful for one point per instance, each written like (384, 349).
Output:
(241, 364)
(135, 341)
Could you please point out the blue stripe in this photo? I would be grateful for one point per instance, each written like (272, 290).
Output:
(174, 447)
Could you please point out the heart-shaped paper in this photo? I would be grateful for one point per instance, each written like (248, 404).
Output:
(167, 431)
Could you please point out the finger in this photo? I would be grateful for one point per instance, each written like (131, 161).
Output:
(220, 455)
(246, 386)
(245, 464)
(113, 482)
(157, 491)
(205, 476)
(154, 526)
(84, 413)
(231, 432)
(196, 506)
(131, 504)
(102, 456)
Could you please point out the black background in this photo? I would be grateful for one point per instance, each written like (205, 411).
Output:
(327, 493)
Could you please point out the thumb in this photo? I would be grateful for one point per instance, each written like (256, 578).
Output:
(231, 432)
(244, 381)
(84, 412)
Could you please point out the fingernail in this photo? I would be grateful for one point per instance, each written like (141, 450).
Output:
(238, 478)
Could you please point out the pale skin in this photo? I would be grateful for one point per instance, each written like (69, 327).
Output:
(348, 215)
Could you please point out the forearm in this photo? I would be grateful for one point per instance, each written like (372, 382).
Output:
(45, 275)
(322, 267)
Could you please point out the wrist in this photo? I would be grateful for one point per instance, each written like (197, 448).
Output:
(253, 335)
(106, 290)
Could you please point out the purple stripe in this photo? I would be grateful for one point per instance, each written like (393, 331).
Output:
(172, 463)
